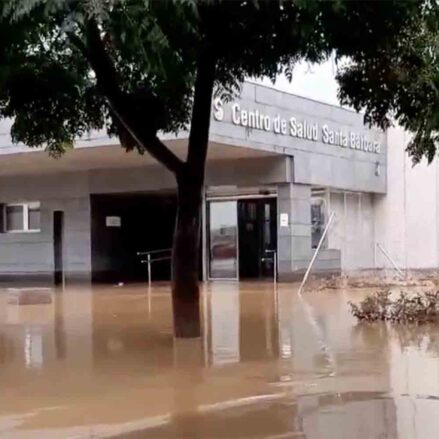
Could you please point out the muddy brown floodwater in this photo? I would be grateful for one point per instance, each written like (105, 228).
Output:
(102, 362)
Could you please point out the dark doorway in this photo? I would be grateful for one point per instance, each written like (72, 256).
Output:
(58, 237)
(257, 223)
(125, 224)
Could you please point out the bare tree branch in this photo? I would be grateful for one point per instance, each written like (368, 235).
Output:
(108, 84)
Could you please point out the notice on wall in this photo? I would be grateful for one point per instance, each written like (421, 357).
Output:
(284, 219)
(113, 221)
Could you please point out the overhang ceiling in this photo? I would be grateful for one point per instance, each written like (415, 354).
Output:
(108, 157)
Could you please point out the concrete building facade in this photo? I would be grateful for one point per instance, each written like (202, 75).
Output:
(278, 166)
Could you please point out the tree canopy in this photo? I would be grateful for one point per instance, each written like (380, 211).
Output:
(400, 82)
(54, 53)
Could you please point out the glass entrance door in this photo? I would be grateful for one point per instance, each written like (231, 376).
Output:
(223, 240)
(257, 237)
(269, 237)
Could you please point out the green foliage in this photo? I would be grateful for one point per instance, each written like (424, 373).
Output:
(49, 88)
(401, 82)
(374, 307)
(413, 308)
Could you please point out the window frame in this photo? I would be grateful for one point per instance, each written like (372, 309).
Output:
(26, 206)
(324, 204)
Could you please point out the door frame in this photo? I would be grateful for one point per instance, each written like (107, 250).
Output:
(206, 229)
(59, 272)
(209, 277)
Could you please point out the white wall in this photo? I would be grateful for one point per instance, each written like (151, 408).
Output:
(407, 218)
(405, 221)
(32, 253)
(353, 229)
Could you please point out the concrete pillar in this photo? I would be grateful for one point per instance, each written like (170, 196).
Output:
(294, 238)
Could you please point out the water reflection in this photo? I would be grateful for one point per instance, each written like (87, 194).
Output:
(224, 332)
(102, 362)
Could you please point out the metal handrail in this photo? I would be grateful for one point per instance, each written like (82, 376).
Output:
(274, 259)
(150, 260)
(397, 269)
(164, 258)
(316, 252)
(151, 252)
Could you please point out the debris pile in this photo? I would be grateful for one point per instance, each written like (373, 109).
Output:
(405, 308)
(370, 281)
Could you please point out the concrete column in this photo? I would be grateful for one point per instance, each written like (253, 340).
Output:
(294, 239)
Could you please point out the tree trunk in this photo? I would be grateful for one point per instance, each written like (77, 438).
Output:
(189, 174)
(190, 181)
(185, 258)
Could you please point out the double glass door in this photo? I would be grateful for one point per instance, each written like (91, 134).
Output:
(223, 240)
(242, 238)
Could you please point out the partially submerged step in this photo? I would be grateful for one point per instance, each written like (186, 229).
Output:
(29, 296)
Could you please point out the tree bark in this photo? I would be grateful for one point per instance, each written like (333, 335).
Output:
(185, 259)
(189, 176)
(190, 181)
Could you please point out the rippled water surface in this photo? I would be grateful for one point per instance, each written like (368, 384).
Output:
(102, 362)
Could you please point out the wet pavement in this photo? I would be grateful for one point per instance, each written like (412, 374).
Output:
(102, 362)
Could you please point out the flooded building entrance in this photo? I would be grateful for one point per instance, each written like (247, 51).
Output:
(242, 238)
(125, 224)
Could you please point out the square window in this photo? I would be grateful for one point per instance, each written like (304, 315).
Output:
(34, 216)
(317, 221)
(14, 218)
(22, 217)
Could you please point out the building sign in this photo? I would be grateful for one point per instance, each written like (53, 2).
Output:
(113, 221)
(284, 219)
(296, 127)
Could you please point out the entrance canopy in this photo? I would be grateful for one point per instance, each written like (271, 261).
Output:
(21, 161)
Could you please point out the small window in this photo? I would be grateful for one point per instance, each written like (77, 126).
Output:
(33, 219)
(14, 218)
(317, 221)
(23, 217)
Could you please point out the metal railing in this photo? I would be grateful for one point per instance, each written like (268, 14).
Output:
(272, 259)
(154, 256)
(316, 252)
(397, 269)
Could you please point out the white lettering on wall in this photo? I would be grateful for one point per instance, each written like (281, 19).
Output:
(334, 137)
(267, 123)
(218, 110)
(304, 129)
(298, 128)
(235, 114)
